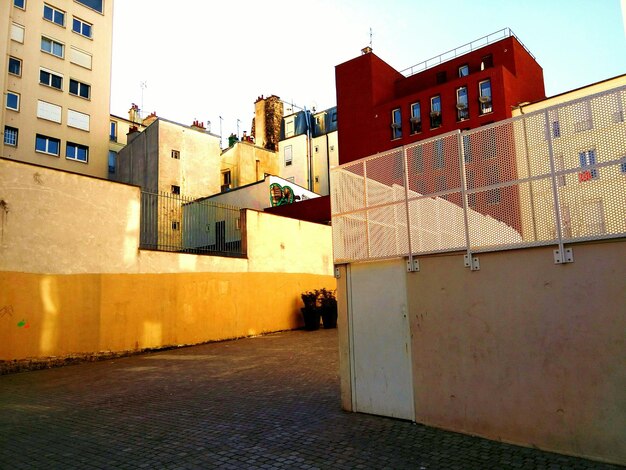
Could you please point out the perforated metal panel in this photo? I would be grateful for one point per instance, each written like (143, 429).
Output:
(551, 176)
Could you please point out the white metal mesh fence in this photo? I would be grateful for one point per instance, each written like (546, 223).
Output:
(552, 176)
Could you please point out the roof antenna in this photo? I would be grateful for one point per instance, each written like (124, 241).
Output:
(368, 49)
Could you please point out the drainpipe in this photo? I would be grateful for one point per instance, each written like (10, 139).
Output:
(309, 150)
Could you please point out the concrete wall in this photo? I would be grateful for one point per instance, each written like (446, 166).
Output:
(523, 351)
(72, 280)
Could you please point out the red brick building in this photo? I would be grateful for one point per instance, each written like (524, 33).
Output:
(380, 108)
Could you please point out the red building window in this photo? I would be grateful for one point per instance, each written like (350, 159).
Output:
(435, 112)
(396, 124)
(416, 118)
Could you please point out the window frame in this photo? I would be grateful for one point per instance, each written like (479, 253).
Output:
(588, 158)
(464, 67)
(416, 118)
(52, 43)
(112, 158)
(175, 154)
(113, 131)
(22, 6)
(77, 148)
(86, 5)
(462, 114)
(54, 11)
(48, 139)
(435, 115)
(19, 62)
(439, 159)
(396, 123)
(82, 23)
(51, 75)
(17, 97)
(175, 189)
(16, 133)
(288, 162)
(80, 85)
(485, 106)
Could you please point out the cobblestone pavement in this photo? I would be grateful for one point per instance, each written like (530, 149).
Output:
(265, 402)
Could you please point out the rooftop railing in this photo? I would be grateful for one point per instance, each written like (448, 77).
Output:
(461, 50)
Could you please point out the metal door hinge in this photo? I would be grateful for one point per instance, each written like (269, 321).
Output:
(337, 273)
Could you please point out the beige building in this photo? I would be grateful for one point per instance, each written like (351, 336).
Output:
(120, 128)
(169, 157)
(55, 79)
(245, 163)
(577, 130)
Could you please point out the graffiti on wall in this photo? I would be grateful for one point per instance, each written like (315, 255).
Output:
(281, 195)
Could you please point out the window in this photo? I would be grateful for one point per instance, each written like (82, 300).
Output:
(49, 111)
(175, 225)
(17, 33)
(76, 152)
(435, 112)
(49, 145)
(486, 62)
(176, 154)
(10, 136)
(396, 124)
(175, 189)
(559, 163)
(289, 129)
(113, 131)
(15, 66)
(467, 149)
(490, 147)
(226, 180)
(20, 4)
(588, 159)
(464, 70)
(493, 177)
(582, 113)
(288, 155)
(82, 58)
(93, 4)
(441, 77)
(81, 27)
(438, 150)
(470, 183)
(80, 89)
(51, 79)
(622, 166)
(13, 101)
(462, 109)
(416, 118)
(112, 162)
(484, 96)
(78, 120)
(52, 47)
(416, 160)
(52, 14)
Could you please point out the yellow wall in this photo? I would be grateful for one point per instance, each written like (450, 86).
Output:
(73, 281)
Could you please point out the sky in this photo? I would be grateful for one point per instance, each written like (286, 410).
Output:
(212, 59)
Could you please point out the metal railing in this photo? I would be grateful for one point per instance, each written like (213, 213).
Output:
(464, 49)
(175, 223)
(552, 176)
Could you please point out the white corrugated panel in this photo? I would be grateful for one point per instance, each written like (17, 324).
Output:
(49, 111)
(78, 120)
(81, 58)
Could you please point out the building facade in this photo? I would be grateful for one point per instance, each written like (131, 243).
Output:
(381, 108)
(308, 148)
(55, 78)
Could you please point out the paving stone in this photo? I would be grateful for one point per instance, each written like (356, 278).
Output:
(257, 403)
